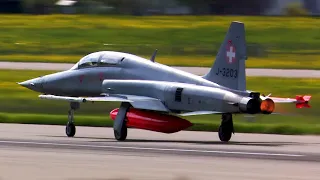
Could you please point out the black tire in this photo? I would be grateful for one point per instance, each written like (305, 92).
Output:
(123, 135)
(70, 129)
(224, 134)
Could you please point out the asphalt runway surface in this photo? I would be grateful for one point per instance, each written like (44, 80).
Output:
(44, 152)
(195, 70)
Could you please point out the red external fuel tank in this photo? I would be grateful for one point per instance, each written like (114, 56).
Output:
(153, 121)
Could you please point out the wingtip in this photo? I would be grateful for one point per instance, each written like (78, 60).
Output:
(237, 22)
(303, 97)
(303, 101)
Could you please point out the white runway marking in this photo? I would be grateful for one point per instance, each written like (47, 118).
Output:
(293, 73)
(155, 149)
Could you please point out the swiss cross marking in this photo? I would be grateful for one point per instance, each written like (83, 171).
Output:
(231, 54)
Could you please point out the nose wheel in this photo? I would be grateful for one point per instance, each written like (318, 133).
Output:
(70, 127)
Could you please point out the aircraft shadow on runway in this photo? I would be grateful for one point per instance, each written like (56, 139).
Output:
(261, 143)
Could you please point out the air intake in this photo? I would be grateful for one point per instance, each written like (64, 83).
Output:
(178, 95)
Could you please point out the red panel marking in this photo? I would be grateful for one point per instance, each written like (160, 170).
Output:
(81, 78)
(101, 76)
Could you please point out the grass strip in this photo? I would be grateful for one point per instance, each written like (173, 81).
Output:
(95, 121)
(180, 39)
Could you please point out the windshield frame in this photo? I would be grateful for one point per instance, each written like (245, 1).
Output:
(99, 59)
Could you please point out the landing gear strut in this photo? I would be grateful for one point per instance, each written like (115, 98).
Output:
(119, 127)
(71, 128)
(226, 128)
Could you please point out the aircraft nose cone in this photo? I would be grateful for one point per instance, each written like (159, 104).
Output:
(26, 84)
(33, 84)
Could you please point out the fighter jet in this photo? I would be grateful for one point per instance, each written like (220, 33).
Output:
(156, 97)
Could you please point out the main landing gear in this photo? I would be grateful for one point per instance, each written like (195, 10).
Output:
(226, 128)
(70, 127)
(119, 127)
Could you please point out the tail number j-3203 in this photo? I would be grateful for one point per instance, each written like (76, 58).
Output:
(227, 72)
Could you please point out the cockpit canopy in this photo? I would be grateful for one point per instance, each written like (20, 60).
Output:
(102, 58)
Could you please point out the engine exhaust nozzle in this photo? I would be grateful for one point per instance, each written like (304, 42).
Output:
(267, 106)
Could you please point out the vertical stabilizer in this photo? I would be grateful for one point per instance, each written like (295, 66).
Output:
(229, 67)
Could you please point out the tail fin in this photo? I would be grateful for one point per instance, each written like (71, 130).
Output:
(229, 67)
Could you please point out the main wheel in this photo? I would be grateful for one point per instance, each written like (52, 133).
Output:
(226, 127)
(70, 129)
(123, 135)
(225, 133)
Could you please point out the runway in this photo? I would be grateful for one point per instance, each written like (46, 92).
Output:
(44, 152)
(195, 70)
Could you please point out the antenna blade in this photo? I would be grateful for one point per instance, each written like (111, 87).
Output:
(154, 55)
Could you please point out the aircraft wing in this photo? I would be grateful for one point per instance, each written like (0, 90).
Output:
(193, 113)
(300, 101)
(83, 99)
(139, 102)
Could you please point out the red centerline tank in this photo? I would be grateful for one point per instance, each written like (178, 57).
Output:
(153, 121)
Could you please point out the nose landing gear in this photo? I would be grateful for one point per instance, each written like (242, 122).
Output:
(70, 127)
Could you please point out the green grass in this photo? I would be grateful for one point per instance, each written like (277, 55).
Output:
(200, 124)
(278, 42)
(20, 105)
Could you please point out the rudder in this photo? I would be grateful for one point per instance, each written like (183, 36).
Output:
(229, 67)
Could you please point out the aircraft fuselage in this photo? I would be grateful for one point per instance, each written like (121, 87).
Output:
(87, 81)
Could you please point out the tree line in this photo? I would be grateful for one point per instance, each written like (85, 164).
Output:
(141, 7)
